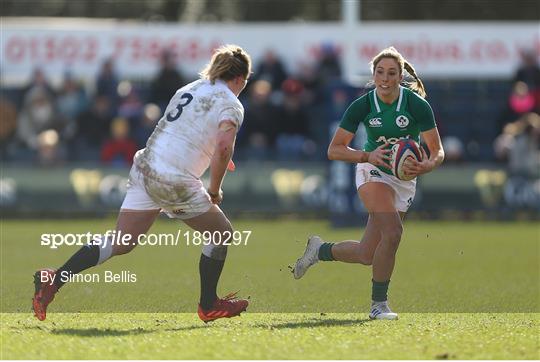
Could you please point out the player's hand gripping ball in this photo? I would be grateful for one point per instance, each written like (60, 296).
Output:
(401, 151)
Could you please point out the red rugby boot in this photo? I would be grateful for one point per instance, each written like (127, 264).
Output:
(226, 307)
(44, 292)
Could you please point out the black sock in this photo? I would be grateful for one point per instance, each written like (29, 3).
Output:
(325, 252)
(379, 291)
(210, 271)
(86, 257)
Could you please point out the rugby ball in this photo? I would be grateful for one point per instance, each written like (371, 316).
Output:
(402, 150)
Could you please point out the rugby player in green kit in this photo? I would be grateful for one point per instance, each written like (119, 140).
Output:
(393, 110)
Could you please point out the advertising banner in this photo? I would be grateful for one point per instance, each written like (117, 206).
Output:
(441, 49)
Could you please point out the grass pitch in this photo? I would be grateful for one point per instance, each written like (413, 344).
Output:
(463, 290)
(275, 336)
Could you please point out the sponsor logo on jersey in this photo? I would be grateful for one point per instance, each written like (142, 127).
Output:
(375, 173)
(409, 201)
(402, 121)
(375, 122)
(178, 211)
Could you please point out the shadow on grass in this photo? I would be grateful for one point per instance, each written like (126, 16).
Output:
(104, 332)
(97, 332)
(331, 322)
(188, 328)
(28, 328)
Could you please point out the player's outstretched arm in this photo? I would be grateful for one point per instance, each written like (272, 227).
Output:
(220, 160)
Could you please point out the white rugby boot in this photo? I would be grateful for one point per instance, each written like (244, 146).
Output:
(310, 257)
(381, 310)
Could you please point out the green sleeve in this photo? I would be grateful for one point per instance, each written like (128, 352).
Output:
(355, 114)
(422, 112)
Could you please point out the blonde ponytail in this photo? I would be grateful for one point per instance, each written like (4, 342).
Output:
(228, 62)
(417, 85)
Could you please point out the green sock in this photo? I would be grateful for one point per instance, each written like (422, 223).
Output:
(325, 252)
(379, 291)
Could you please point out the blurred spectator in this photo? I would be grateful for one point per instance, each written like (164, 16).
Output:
(307, 75)
(340, 100)
(272, 70)
(328, 66)
(71, 102)
(335, 100)
(519, 144)
(259, 127)
(93, 127)
(38, 114)
(529, 73)
(120, 148)
(131, 106)
(520, 102)
(167, 81)
(8, 126)
(107, 82)
(71, 99)
(293, 140)
(146, 124)
(453, 149)
(50, 152)
(39, 80)
(529, 70)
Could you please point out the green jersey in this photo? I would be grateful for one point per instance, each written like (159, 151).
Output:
(409, 115)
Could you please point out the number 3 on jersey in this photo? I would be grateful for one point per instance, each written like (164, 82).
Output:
(180, 107)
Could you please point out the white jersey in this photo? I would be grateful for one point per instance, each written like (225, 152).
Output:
(184, 139)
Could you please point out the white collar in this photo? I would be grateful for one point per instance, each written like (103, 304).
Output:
(376, 100)
(222, 83)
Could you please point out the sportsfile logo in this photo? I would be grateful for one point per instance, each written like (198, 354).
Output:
(375, 122)
(117, 237)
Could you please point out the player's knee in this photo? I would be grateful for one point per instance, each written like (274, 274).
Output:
(227, 228)
(223, 235)
(124, 248)
(363, 255)
(366, 259)
(217, 252)
(393, 235)
(216, 247)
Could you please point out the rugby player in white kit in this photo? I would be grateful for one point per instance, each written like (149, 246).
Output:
(197, 132)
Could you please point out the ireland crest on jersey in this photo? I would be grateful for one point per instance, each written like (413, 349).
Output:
(402, 121)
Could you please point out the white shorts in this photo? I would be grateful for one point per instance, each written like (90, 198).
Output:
(404, 190)
(183, 200)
